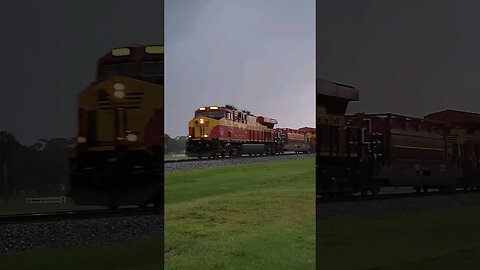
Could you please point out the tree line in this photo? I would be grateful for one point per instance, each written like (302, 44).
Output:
(43, 167)
(175, 145)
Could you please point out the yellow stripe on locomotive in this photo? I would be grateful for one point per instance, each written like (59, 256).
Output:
(120, 110)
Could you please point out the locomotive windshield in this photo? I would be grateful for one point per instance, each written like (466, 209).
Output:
(211, 114)
(105, 71)
(149, 71)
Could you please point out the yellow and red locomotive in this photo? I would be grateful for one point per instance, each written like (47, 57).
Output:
(119, 153)
(221, 131)
(224, 130)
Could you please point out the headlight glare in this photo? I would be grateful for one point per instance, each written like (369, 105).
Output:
(132, 137)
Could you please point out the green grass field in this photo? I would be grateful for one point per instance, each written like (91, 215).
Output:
(261, 216)
(245, 217)
(127, 255)
(256, 216)
(431, 239)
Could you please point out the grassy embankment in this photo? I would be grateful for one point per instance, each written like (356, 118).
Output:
(245, 217)
(438, 239)
(261, 216)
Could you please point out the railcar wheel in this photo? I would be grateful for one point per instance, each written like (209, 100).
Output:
(425, 189)
(113, 207)
(418, 189)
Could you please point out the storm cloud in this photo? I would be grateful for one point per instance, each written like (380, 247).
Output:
(256, 55)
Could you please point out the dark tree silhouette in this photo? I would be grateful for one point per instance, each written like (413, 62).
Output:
(175, 145)
(8, 145)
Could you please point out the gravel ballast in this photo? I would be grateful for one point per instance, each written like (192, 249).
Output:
(27, 236)
(342, 210)
(211, 163)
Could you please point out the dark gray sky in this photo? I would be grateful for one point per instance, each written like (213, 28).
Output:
(408, 57)
(256, 54)
(50, 50)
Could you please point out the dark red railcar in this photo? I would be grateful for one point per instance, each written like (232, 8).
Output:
(404, 151)
(462, 144)
(365, 152)
(295, 140)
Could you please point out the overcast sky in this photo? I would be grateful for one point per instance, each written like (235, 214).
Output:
(258, 55)
(408, 57)
(50, 50)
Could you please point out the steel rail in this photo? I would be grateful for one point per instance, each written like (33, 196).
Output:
(78, 214)
(234, 157)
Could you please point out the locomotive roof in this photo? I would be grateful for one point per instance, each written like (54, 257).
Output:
(335, 89)
(454, 117)
(136, 53)
(260, 119)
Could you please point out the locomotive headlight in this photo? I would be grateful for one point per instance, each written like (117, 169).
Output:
(205, 135)
(81, 139)
(202, 121)
(119, 86)
(119, 90)
(132, 137)
(119, 93)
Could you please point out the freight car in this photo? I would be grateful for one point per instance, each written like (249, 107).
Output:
(403, 151)
(296, 140)
(119, 152)
(439, 151)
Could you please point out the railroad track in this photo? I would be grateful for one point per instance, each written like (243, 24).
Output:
(82, 214)
(391, 196)
(227, 157)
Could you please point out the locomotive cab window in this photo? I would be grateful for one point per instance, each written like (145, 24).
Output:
(152, 69)
(211, 114)
(105, 71)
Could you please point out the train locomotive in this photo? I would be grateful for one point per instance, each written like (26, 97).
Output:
(224, 130)
(119, 152)
(367, 152)
(219, 131)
